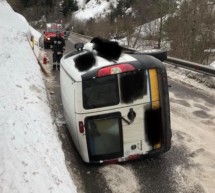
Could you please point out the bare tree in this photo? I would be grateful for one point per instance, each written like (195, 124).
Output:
(191, 30)
(16, 5)
(151, 16)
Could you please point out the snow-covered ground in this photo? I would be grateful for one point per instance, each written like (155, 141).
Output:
(31, 158)
(212, 64)
(193, 124)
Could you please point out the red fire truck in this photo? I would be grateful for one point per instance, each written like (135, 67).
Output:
(50, 32)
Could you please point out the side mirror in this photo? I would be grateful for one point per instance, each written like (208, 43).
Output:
(79, 46)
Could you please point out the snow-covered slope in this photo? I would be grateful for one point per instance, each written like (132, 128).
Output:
(31, 158)
(94, 8)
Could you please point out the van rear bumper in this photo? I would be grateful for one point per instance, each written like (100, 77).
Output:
(150, 154)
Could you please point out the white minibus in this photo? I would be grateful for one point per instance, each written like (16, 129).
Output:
(116, 109)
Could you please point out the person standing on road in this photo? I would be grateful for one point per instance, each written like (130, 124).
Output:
(58, 48)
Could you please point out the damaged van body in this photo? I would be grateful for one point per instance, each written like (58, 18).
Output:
(117, 110)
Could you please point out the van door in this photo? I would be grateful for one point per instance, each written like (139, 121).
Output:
(104, 136)
(116, 106)
(135, 100)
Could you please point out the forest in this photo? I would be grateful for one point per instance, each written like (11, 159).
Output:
(185, 29)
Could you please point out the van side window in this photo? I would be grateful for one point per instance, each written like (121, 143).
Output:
(100, 92)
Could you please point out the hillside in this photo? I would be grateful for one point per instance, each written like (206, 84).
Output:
(94, 9)
(187, 32)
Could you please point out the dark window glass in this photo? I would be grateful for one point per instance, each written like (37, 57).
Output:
(133, 86)
(53, 30)
(104, 136)
(100, 92)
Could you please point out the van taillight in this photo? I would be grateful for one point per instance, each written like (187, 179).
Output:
(115, 69)
(81, 127)
(134, 157)
(111, 161)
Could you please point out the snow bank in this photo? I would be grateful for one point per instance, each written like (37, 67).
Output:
(212, 64)
(31, 157)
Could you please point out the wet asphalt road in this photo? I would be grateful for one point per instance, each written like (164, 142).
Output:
(86, 177)
(155, 175)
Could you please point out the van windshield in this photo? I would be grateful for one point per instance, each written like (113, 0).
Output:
(54, 30)
(110, 90)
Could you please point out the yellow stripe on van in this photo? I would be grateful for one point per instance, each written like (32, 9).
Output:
(154, 89)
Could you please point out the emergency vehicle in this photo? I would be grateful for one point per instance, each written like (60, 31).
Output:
(50, 33)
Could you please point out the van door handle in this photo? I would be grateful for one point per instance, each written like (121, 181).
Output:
(126, 120)
(131, 115)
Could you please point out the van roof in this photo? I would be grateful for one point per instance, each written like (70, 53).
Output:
(68, 63)
(89, 54)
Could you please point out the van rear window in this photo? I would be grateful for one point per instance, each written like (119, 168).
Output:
(104, 136)
(100, 92)
(110, 90)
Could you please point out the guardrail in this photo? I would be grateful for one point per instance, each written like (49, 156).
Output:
(32, 44)
(182, 63)
(191, 66)
(84, 36)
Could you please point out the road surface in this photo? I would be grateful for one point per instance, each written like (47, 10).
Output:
(188, 167)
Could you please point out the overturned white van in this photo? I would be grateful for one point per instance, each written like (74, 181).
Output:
(116, 105)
